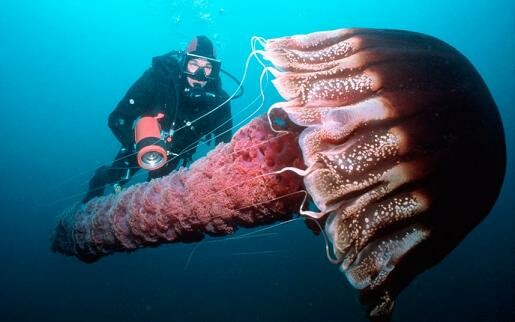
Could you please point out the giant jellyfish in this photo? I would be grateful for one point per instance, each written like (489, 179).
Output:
(392, 135)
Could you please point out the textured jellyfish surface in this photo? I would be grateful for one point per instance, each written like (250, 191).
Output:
(401, 143)
(232, 186)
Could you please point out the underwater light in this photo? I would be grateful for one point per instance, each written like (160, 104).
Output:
(151, 149)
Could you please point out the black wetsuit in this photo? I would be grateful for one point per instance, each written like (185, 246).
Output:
(161, 89)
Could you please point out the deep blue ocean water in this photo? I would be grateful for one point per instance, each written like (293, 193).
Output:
(63, 67)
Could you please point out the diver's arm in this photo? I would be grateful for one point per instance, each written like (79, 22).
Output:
(137, 99)
(224, 132)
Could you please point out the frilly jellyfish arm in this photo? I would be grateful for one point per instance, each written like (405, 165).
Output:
(234, 185)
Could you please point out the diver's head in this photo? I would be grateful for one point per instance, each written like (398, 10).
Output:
(197, 71)
(200, 65)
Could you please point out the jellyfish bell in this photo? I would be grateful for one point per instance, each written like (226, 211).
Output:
(404, 145)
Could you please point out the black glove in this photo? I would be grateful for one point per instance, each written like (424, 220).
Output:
(187, 159)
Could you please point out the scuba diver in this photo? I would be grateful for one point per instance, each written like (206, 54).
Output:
(159, 120)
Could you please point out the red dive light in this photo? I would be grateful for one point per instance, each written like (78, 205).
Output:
(151, 148)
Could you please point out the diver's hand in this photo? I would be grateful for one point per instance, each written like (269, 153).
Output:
(187, 160)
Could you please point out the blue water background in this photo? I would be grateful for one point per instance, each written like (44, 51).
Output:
(63, 67)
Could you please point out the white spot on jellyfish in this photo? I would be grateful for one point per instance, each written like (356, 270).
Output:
(131, 101)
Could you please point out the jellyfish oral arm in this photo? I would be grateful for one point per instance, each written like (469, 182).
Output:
(236, 184)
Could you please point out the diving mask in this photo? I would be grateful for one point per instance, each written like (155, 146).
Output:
(201, 68)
